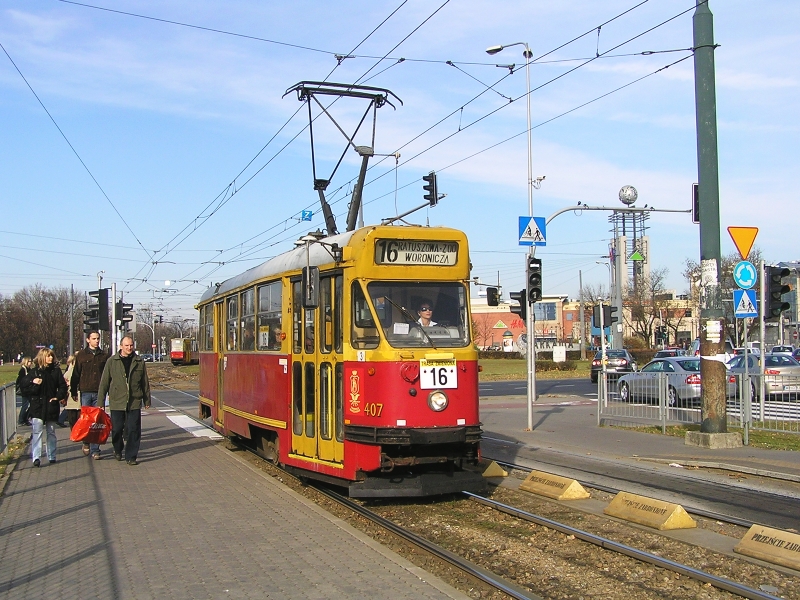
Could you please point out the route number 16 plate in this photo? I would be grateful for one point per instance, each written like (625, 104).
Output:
(437, 374)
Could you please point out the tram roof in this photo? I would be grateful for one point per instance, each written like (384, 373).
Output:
(318, 255)
(292, 260)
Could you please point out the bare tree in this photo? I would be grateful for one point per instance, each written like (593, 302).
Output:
(482, 325)
(646, 302)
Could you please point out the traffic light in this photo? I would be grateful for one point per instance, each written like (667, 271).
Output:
(492, 296)
(534, 272)
(90, 320)
(608, 314)
(522, 309)
(97, 315)
(123, 313)
(776, 289)
(432, 195)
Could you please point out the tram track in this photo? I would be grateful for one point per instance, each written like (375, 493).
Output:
(486, 575)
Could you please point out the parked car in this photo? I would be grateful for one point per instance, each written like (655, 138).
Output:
(683, 382)
(781, 374)
(147, 357)
(668, 352)
(694, 349)
(788, 350)
(796, 354)
(618, 361)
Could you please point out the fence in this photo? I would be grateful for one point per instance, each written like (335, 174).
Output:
(8, 414)
(674, 399)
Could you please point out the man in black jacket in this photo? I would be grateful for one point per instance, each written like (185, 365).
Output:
(89, 365)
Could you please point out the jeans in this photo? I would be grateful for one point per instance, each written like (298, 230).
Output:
(90, 399)
(39, 427)
(128, 422)
(22, 420)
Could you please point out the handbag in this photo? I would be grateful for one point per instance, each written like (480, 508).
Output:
(92, 427)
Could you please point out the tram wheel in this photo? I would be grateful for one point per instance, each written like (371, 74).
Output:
(268, 447)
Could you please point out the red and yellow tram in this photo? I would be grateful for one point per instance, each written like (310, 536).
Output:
(183, 351)
(324, 360)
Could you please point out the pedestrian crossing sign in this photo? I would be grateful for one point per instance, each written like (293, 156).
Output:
(532, 231)
(744, 304)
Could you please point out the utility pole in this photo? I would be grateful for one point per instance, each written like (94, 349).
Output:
(712, 322)
(581, 316)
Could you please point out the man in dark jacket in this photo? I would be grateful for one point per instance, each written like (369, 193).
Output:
(125, 381)
(86, 373)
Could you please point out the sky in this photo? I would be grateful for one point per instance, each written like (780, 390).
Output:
(153, 142)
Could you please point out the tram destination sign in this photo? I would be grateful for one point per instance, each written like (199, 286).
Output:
(416, 252)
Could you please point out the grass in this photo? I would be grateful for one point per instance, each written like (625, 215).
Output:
(500, 369)
(770, 440)
(8, 373)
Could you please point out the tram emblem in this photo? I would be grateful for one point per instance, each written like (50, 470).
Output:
(355, 392)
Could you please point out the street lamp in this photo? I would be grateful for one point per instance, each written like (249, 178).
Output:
(528, 55)
(529, 325)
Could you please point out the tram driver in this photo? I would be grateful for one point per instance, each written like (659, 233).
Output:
(425, 313)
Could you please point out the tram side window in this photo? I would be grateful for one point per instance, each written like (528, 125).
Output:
(269, 316)
(233, 321)
(325, 315)
(364, 334)
(207, 317)
(248, 336)
(209, 327)
(297, 318)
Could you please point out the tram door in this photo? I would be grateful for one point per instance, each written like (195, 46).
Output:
(317, 372)
(219, 344)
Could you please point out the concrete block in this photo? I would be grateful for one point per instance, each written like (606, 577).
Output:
(495, 470)
(553, 486)
(713, 441)
(772, 545)
(650, 512)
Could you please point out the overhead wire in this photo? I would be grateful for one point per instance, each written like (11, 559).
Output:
(75, 152)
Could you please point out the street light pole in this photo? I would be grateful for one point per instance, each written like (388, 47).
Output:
(530, 320)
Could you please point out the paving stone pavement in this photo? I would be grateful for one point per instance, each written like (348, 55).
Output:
(192, 520)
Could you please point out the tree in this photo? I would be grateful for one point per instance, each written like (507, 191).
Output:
(646, 302)
(38, 316)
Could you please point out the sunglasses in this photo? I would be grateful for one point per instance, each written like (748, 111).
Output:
(425, 308)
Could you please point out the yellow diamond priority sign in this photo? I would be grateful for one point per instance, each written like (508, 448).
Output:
(743, 238)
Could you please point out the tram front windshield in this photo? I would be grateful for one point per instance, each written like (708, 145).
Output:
(421, 315)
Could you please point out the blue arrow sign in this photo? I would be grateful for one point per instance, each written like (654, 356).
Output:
(532, 231)
(744, 274)
(744, 304)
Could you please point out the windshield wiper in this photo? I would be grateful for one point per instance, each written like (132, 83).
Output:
(403, 310)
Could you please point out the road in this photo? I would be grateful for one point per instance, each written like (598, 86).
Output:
(544, 387)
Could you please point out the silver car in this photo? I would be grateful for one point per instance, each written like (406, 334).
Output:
(781, 374)
(683, 382)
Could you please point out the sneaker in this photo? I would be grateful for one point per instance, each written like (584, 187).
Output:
(36, 463)
(117, 456)
(132, 462)
(96, 456)
(86, 449)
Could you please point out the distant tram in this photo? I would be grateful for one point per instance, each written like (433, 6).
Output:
(183, 351)
(349, 359)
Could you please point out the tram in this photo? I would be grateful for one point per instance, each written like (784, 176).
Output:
(349, 359)
(183, 351)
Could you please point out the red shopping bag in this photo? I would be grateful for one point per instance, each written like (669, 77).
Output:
(92, 427)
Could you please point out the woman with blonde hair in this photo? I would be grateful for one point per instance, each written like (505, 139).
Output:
(46, 387)
(72, 409)
(26, 365)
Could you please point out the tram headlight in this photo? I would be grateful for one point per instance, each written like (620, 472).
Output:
(437, 401)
